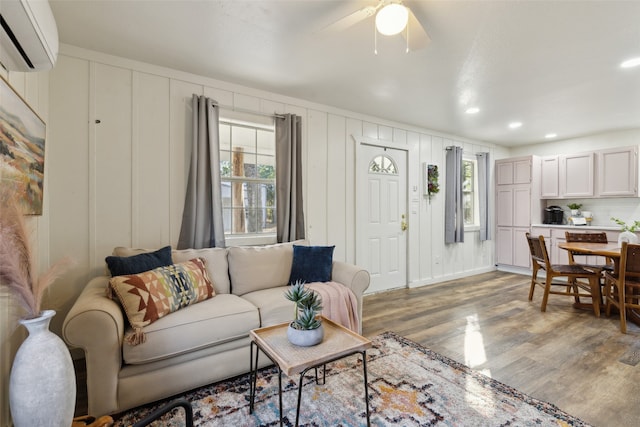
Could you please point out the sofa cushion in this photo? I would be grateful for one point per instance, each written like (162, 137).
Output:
(215, 260)
(252, 268)
(311, 264)
(273, 306)
(215, 321)
(151, 295)
(138, 263)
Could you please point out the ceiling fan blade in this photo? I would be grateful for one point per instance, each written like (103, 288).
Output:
(418, 37)
(350, 20)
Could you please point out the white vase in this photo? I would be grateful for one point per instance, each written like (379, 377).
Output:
(627, 236)
(42, 387)
(307, 337)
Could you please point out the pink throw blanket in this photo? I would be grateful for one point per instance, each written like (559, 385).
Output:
(339, 303)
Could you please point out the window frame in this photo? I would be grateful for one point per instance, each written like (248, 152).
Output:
(476, 199)
(256, 123)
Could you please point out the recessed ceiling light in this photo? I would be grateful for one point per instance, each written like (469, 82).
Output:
(629, 63)
(515, 125)
(472, 110)
(551, 135)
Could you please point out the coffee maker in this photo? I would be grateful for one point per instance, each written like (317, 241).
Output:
(553, 215)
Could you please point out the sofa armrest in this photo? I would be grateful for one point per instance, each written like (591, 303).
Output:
(353, 277)
(95, 324)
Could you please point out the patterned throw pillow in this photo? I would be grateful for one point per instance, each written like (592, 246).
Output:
(148, 296)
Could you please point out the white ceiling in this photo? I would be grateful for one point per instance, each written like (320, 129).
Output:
(552, 65)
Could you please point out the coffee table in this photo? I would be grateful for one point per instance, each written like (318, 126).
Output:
(338, 342)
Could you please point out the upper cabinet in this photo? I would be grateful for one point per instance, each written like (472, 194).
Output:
(513, 172)
(549, 182)
(603, 173)
(618, 172)
(576, 175)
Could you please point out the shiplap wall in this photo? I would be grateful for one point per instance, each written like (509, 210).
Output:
(34, 89)
(122, 182)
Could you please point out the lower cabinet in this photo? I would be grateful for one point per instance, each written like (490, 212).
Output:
(511, 247)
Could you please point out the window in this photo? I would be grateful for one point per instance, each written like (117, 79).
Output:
(383, 164)
(470, 200)
(248, 172)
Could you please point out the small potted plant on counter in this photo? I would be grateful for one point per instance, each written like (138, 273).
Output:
(575, 208)
(305, 329)
(627, 232)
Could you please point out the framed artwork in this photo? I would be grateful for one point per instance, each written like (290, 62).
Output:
(22, 136)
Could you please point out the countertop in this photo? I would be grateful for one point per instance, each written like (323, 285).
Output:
(585, 227)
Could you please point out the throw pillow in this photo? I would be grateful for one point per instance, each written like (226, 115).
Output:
(148, 296)
(120, 266)
(311, 264)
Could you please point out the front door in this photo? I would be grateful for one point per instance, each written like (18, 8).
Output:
(381, 200)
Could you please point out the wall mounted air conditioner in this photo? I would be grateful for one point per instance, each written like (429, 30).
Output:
(28, 35)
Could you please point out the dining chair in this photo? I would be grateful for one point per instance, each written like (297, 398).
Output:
(540, 261)
(622, 288)
(600, 237)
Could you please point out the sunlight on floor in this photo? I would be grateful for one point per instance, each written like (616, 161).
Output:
(474, 355)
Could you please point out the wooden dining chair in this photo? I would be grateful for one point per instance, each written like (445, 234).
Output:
(589, 238)
(622, 288)
(540, 261)
(600, 237)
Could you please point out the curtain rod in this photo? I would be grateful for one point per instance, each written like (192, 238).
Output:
(258, 113)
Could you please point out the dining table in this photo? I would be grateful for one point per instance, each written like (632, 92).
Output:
(607, 250)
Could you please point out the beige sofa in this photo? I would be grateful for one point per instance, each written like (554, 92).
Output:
(194, 346)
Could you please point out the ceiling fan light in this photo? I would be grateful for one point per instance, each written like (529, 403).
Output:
(392, 19)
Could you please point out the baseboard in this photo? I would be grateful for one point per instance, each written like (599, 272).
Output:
(454, 276)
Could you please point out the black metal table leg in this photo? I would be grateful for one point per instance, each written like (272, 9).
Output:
(253, 375)
(280, 393)
(366, 386)
(300, 394)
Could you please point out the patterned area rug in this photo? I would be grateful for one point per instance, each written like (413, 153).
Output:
(409, 385)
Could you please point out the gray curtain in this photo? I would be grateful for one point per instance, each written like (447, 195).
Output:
(290, 217)
(483, 195)
(453, 214)
(202, 225)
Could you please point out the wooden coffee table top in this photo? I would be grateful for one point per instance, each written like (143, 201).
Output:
(292, 359)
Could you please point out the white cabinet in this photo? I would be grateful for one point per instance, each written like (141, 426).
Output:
(576, 175)
(618, 172)
(513, 172)
(549, 177)
(516, 182)
(512, 247)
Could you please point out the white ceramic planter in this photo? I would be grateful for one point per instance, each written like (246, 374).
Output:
(42, 386)
(305, 338)
(627, 236)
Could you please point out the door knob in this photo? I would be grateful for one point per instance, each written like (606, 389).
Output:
(403, 224)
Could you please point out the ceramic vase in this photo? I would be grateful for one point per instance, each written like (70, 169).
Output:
(42, 386)
(305, 338)
(627, 236)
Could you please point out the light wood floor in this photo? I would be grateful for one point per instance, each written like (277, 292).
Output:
(566, 356)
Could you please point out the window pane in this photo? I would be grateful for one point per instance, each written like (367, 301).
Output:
(243, 164)
(243, 138)
(266, 143)
(225, 163)
(225, 137)
(383, 164)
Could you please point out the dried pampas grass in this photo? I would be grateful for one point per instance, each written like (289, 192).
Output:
(16, 268)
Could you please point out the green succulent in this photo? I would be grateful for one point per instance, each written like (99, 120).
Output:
(307, 305)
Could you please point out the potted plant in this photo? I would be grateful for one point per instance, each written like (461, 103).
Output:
(575, 208)
(627, 232)
(306, 328)
(42, 383)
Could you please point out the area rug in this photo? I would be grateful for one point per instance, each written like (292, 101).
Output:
(409, 385)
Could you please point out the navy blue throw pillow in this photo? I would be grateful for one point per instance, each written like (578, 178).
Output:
(120, 266)
(311, 264)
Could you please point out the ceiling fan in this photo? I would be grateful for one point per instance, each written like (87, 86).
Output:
(391, 18)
